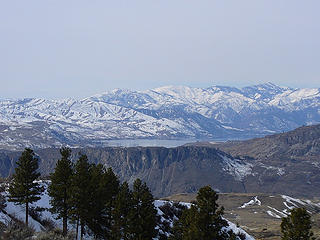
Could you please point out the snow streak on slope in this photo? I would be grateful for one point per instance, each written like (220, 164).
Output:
(235, 167)
(162, 113)
(254, 201)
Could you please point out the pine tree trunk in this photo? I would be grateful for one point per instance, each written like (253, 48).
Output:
(65, 215)
(77, 229)
(82, 231)
(27, 212)
(65, 226)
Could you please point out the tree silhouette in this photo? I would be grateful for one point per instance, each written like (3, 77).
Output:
(59, 186)
(24, 189)
(297, 225)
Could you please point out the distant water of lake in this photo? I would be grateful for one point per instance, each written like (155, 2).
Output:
(152, 142)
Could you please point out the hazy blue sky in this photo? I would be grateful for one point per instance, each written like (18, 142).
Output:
(62, 48)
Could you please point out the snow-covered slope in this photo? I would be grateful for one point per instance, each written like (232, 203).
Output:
(163, 113)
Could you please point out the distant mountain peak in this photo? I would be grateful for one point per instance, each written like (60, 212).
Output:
(168, 112)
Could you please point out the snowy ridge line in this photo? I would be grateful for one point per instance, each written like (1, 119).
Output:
(168, 113)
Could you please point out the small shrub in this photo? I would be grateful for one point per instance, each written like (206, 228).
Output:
(168, 211)
(17, 231)
(36, 213)
(3, 202)
(55, 234)
(47, 224)
(178, 209)
(241, 236)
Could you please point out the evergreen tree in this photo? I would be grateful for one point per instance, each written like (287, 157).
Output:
(59, 188)
(104, 186)
(144, 214)
(121, 214)
(24, 189)
(80, 193)
(203, 220)
(3, 202)
(297, 225)
(209, 220)
(110, 185)
(186, 227)
(96, 201)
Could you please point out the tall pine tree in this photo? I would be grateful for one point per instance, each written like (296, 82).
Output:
(80, 192)
(297, 225)
(121, 214)
(104, 189)
(203, 220)
(209, 219)
(24, 189)
(58, 189)
(96, 201)
(185, 228)
(144, 214)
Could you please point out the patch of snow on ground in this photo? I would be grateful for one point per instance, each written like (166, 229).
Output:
(289, 207)
(232, 128)
(291, 200)
(254, 201)
(18, 211)
(270, 213)
(277, 211)
(238, 168)
(238, 230)
(280, 171)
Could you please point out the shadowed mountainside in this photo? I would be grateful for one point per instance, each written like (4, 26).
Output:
(287, 163)
(302, 143)
(166, 170)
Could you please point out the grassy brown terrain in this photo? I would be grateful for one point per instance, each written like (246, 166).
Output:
(255, 218)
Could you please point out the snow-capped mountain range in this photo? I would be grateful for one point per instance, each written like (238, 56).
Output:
(169, 112)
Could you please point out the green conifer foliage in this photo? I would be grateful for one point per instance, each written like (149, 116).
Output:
(59, 188)
(297, 225)
(3, 202)
(203, 220)
(24, 189)
(186, 227)
(109, 188)
(209, 220)
(122, 222)
(104, 186)
(96, 201)
(80, 192)
(144, 214)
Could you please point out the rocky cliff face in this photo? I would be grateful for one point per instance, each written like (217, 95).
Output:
(285, 163)
(166, 170)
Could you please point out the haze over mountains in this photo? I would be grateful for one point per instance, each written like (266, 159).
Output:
(217, 112)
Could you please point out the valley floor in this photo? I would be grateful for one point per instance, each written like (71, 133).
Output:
(260, 214)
